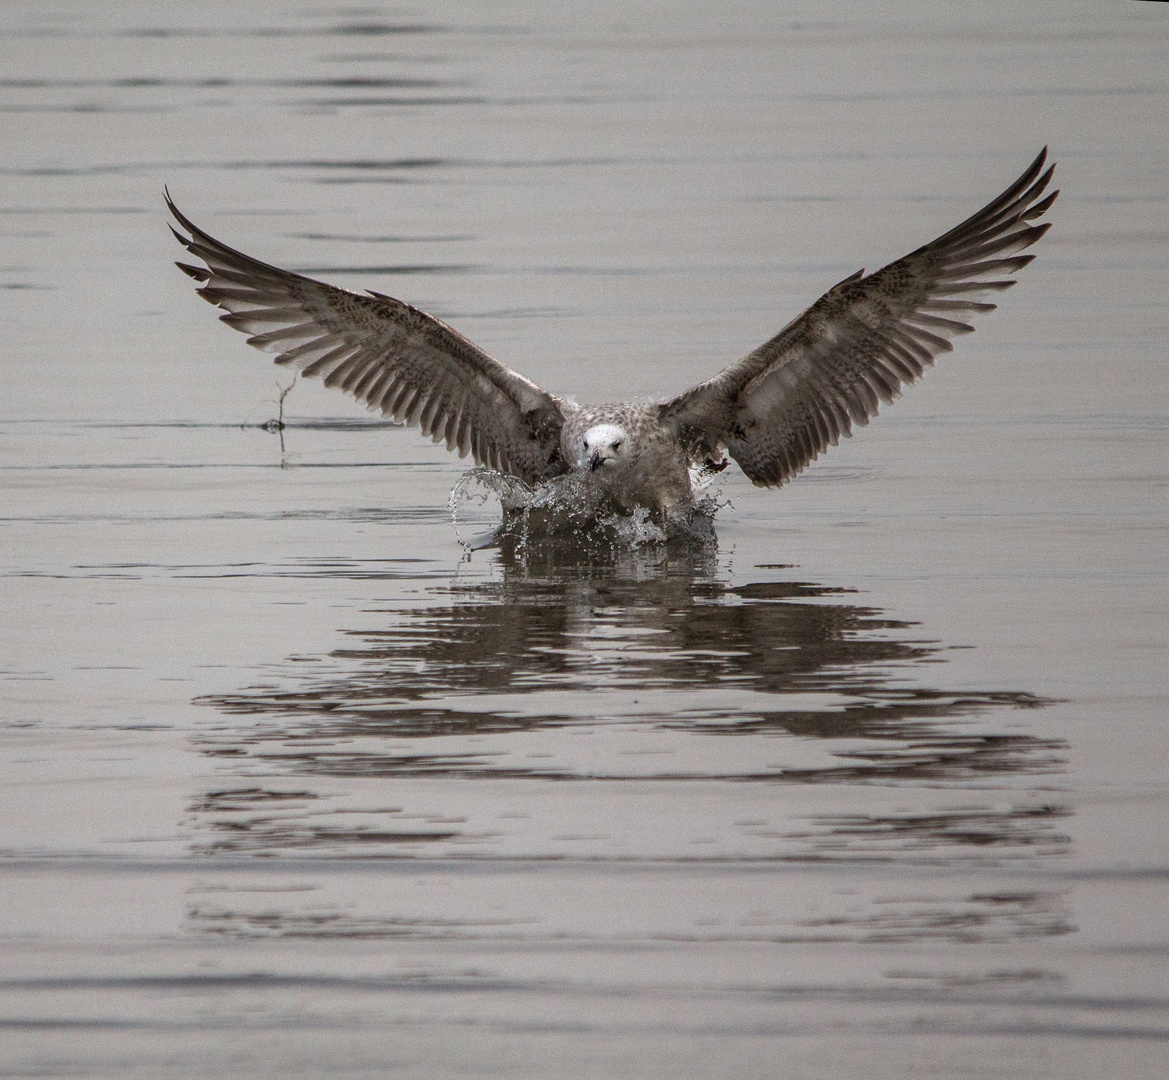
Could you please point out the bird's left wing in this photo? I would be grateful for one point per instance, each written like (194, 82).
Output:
(780, 406)
(387, 354)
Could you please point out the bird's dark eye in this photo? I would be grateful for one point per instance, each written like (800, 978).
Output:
(617, 445)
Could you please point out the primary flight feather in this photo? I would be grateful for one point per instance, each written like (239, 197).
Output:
(773, 411)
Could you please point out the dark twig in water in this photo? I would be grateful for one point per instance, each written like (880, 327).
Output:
(284, 392)
(278, 424)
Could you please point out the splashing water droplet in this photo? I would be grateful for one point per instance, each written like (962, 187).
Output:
(566, 507)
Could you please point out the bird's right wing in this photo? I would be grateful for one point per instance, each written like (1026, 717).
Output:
(388, 355)
(783, 404)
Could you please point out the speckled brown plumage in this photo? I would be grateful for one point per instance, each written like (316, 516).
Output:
(782, 405)
(774, 411)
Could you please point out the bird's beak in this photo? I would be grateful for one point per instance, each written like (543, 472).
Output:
(595, 461)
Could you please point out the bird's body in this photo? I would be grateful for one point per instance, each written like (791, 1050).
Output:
(628, 456)
(773, 411)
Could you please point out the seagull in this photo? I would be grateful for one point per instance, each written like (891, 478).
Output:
(773, 412)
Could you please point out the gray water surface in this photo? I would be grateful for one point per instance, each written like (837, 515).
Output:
(870, 783)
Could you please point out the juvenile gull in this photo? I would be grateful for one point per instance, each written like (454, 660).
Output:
(773, 411)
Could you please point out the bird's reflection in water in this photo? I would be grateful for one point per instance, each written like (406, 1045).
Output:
(680, 675)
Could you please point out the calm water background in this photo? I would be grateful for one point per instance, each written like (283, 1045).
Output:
(873, 787)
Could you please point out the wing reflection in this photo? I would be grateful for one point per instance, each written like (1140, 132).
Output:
(640, 668)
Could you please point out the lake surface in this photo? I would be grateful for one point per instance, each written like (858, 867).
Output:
(872, 783)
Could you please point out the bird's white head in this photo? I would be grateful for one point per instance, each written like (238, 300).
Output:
(605, 444)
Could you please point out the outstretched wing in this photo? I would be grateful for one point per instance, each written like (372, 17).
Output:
(780, 406)
(387, 354)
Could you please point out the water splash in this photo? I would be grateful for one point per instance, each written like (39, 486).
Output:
(566, 508)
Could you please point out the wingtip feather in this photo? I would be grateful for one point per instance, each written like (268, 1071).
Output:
(196, 272)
